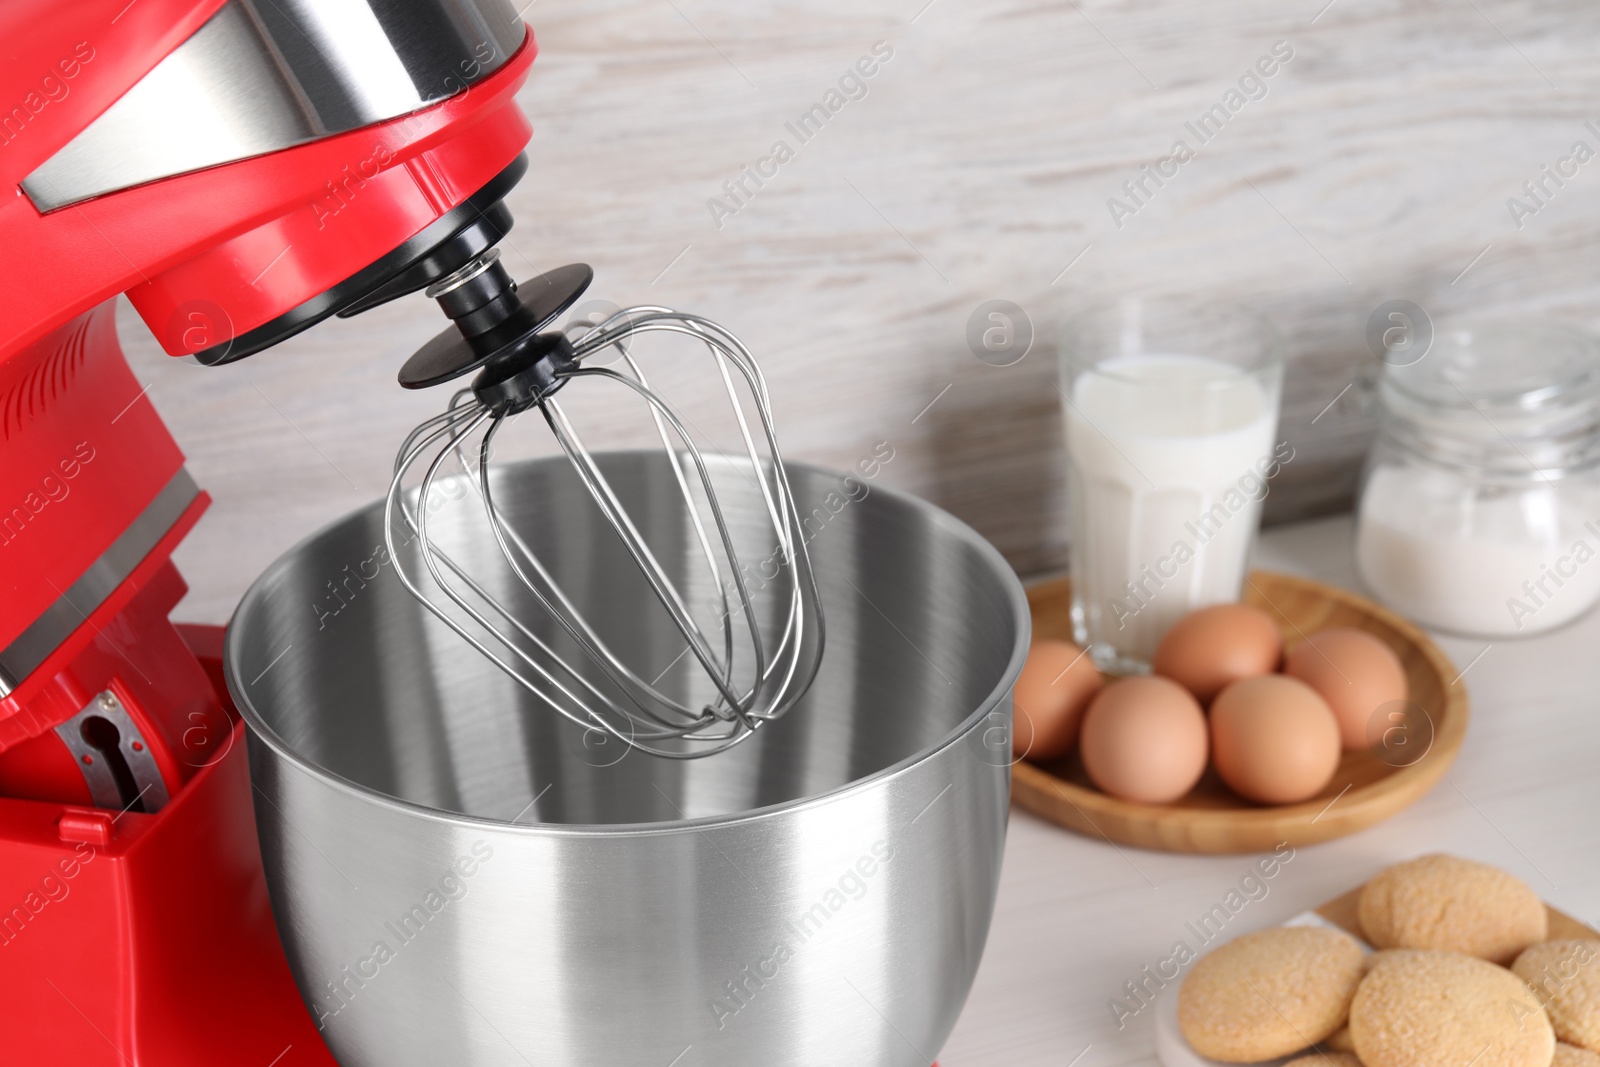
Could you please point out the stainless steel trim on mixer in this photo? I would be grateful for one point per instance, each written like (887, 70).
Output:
(55, 625)
(262, 75)
(458, 879)
(454, 280)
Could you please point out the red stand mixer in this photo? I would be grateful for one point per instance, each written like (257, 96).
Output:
(241, 170)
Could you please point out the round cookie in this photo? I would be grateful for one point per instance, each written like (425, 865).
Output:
(1421, 1009)
(1270, 993)
(1452, 905)
(1565, 976)
(1573, 1056)
(1325, 1059)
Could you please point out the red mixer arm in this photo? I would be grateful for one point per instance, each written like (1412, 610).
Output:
(253, 238)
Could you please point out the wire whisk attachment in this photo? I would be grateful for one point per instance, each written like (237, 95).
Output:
(759, 658)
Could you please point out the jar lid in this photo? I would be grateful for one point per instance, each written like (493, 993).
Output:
(1506, 396)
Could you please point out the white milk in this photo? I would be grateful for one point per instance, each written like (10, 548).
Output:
(1435, 548)
(1166, 455)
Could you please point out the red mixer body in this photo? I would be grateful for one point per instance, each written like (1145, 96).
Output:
(135, 927)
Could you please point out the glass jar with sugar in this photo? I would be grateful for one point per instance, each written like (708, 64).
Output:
(1479, 510)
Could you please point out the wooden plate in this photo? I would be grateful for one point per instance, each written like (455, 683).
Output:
(1366, 789)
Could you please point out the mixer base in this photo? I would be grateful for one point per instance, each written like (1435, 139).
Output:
(138, 940)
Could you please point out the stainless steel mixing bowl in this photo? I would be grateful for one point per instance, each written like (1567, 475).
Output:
(460, 878)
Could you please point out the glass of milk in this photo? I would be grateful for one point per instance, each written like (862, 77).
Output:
(1171, 407)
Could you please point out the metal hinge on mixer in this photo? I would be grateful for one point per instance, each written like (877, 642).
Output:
(113, 756)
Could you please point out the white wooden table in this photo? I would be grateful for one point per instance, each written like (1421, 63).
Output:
(1077, 917)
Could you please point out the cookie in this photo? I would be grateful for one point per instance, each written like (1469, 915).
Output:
(1326, 1059)
(1573, 1056)
(1452, 905)
(1565, 976)
(1270, 993)
(1383, 955)
(1339, 1040)
(1422, 1009)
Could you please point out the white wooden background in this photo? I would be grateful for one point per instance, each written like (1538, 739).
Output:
(977, 167)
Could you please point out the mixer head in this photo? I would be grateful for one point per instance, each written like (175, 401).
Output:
(759, 659)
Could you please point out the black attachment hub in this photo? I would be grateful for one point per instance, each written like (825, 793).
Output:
(495, 318)
(515, 380)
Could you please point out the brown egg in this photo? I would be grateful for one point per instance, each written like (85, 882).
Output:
(1208, 648)
(1356, 674)
(1273, 739)
(1055, 686)
(1144, 739)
